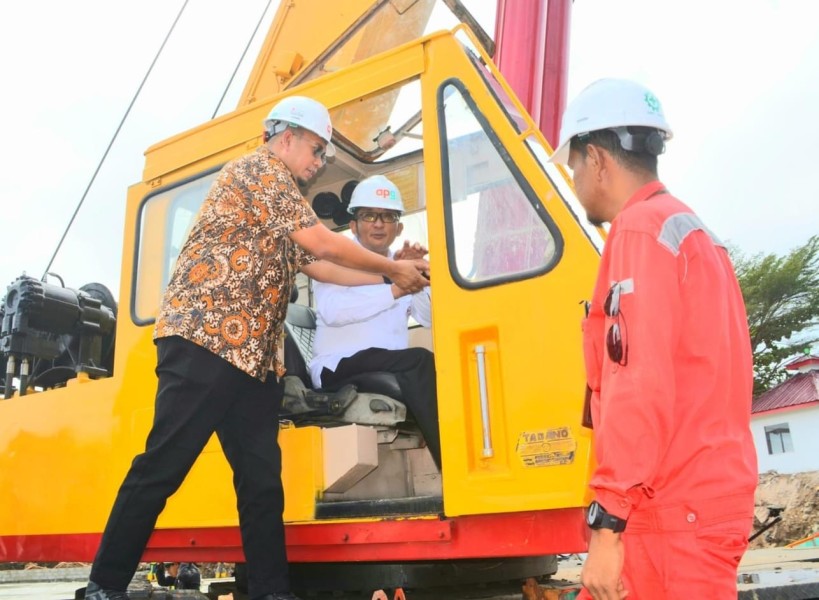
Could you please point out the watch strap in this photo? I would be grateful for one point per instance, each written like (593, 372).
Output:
(598, 518)
(616, 524)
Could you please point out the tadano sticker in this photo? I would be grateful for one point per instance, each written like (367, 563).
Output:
(547, 447)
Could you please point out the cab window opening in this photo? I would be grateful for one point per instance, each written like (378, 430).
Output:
(164, 220)
(497, 230)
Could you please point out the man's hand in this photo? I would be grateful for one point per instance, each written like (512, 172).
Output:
(601, 575)
(410, 251)
(408, 274)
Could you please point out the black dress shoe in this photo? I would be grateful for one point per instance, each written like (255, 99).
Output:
(95, 592)
(279, 596)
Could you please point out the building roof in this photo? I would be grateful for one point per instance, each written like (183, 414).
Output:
(802, 388)
(803, 363)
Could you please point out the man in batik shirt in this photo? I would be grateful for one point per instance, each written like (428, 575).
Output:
(219, 345)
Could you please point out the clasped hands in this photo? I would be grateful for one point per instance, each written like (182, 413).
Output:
(411, 272)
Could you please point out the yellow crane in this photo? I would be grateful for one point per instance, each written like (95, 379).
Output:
(513, 263)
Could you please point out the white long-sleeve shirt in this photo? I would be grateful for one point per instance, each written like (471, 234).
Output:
(351, 319)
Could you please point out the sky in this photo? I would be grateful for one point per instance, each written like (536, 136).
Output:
(737, 78)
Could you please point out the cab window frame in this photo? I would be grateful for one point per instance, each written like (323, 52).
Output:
(516, 174)
(136, 285)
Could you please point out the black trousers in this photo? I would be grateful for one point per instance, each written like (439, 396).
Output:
(414, 368)
(199, 393)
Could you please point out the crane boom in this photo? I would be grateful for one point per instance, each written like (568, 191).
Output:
(533, 54)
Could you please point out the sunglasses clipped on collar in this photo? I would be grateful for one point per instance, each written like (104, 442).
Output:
(615, 345)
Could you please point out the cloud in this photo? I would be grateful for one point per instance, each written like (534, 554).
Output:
(737, 83)
(736, 79)
(71, 71)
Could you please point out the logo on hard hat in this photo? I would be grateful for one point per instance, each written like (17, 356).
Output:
(385, 193)
(652, 102)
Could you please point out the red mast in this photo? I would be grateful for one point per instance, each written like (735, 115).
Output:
(532, 52)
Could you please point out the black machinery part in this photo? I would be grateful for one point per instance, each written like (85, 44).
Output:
(48, 333)
(464, 578)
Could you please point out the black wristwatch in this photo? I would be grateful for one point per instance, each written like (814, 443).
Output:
(598, 518)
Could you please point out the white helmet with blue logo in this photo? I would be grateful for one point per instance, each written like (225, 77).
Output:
(376, 192)
(609, 104)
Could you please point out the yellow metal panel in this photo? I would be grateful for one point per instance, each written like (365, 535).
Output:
(302, 472)
(303, 27)
(530, 330)
(71, 447)
(303, 30)
(207, 498)
(485, 342)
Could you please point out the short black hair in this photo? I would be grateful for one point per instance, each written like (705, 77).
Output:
(279, 127)
(608, 139)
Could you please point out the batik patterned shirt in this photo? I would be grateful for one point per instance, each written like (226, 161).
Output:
(231, 285)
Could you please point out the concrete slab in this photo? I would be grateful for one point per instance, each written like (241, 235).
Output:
(59, 590)
(63, 590)
(774, 557)
(44, 575)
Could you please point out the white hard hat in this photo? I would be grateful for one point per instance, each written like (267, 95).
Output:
(606, 104)
(303, 112)
(376, 192)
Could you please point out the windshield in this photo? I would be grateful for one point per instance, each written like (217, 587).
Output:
(388, 124)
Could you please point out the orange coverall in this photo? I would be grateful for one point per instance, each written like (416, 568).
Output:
(671, 418)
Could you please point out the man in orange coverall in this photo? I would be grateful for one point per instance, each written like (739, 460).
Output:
(668, 363)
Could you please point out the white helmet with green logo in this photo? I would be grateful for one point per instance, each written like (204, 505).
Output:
(376, 192)
(607, 104)
(304, 112)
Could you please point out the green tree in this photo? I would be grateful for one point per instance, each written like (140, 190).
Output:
(782, 299)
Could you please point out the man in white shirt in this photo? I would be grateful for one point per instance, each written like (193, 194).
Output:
(364, 329)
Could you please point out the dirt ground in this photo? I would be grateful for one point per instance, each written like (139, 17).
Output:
(798, 495)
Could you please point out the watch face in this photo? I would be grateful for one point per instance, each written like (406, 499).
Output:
(592, 514)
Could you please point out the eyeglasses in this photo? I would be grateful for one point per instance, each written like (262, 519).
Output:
(319, 151)
(617, 349)
(372, 217)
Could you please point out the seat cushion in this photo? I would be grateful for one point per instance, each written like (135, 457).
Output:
(376, 382)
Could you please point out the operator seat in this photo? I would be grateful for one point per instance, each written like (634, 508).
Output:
(366, 399)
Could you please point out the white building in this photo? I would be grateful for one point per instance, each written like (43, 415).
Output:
(785, 421)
